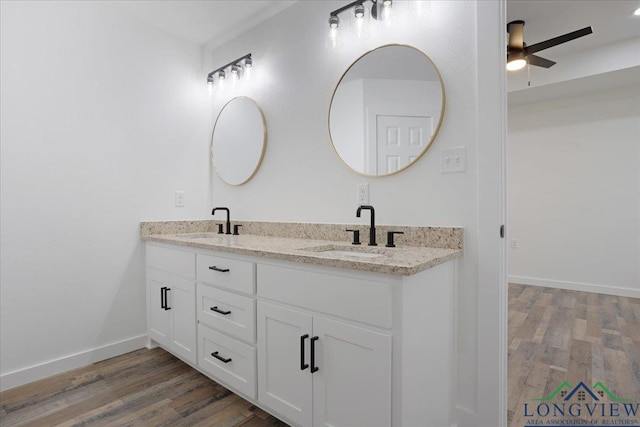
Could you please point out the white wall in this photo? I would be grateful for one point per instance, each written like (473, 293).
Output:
(102, 119)
(301, 178)
(574, 191)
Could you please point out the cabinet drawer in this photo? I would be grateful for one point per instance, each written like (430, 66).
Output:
(239, 370)
(171, 260)
(347, 297)
(230, 313)
(226, 273)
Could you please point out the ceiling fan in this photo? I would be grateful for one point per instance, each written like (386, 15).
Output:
(519, 54)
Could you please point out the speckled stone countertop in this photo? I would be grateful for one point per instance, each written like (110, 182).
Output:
(317, 243)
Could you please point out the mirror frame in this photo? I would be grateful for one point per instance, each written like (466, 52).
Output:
(435, 132)
(264, 141)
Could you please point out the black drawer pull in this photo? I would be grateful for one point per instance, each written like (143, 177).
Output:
(303, 365)
(217, 310)
(314, 368)
(221, 270)
(162, 302)
(220, 358)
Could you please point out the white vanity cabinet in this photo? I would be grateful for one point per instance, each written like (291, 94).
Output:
(314, 345)
(171, 311)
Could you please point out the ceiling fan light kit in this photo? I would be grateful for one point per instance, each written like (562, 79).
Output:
(519, 54)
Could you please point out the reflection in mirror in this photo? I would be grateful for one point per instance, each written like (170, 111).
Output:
(238, 141)
(386, 110)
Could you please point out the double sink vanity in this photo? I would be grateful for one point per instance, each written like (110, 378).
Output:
(306, 325)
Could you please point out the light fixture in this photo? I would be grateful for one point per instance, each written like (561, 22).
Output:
(334, 21)
(236, 67)
(637, 12)
(516, 60)
(358, 9)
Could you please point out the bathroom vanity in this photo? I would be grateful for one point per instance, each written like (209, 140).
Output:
(316, 332)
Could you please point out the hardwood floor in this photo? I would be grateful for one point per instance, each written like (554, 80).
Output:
(554, 336)
(558, 335)
(142, 388)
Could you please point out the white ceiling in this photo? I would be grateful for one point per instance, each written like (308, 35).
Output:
(201, 21)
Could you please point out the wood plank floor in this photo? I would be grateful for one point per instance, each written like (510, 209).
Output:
(142, 388)
(554, 336)
(558, 335)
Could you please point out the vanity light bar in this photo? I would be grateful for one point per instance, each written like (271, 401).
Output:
(235, 68)
(358, 7)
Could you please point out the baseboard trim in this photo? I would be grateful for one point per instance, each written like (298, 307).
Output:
(575, 286)
(43, 370)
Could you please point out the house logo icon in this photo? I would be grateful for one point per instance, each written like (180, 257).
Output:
(581, 392)
(581, 406)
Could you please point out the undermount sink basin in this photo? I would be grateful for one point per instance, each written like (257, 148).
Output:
(351, 253)
(345, 251)
(198, 235)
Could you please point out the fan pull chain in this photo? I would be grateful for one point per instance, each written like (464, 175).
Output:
(528, 74)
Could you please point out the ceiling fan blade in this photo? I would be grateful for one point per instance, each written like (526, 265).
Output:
(516, 31)
(558, 40)
(539, 61)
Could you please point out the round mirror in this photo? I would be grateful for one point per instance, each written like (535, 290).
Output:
(386, 110)
(238, 141)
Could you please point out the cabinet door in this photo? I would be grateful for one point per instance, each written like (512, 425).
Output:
(157, 317)
(282, 385)
(352, 387)
(181, 302)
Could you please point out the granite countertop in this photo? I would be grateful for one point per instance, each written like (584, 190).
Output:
(401, 260)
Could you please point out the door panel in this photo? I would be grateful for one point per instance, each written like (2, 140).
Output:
(181, 301)
(158, 317)
(400, 140)
(282, 385)
(352, 386)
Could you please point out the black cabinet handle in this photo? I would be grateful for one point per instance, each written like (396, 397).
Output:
(166, 300)
(314, 368)
(221, 270)
(217, 310)
(303, 365)
(220, 358)
(162, 298)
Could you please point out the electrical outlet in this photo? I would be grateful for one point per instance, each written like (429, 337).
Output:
(514, 243)
(363, 194)
(179, 199)
(453, 160)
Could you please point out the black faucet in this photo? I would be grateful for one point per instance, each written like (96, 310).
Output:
(372, 229)
(213, 212)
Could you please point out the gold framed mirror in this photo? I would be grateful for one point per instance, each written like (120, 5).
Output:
(238, 141)
(386, 110)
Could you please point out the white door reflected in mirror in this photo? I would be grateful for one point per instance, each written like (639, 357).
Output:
(239, 140)
(386, 110)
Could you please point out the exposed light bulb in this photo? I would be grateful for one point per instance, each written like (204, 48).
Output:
(334, 21)
(359, 11)
(387, 3)
(516, 64)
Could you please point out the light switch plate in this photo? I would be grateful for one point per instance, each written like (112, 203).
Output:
(179, 199)
(453, 159)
